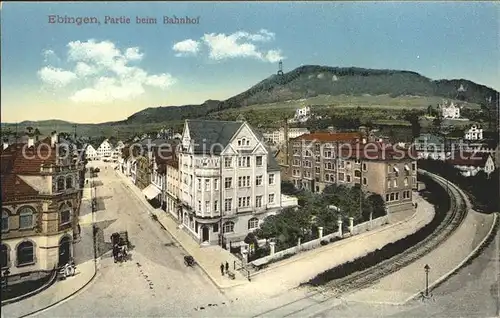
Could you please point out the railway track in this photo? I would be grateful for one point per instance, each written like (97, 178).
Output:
(459, 207)
(451, 221)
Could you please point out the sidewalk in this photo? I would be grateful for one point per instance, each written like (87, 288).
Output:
(208, 258)
(403, 285)
(60, 290)
(288, 274)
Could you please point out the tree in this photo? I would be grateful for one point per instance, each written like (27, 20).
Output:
(288, 188)
(375, 207)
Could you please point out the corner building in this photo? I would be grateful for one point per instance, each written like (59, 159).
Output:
(229, 182)
(41, 196)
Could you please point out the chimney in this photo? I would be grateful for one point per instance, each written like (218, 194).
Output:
(5, 143)
(53, 139)
(31, 141)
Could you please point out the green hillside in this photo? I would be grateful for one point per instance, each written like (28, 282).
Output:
(339, 86)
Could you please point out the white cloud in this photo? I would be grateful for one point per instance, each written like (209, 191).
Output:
(133, 54)
(240, 44)
(188, 46)
(105, 72)
(56, 77)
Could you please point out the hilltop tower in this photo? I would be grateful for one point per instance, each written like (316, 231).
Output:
(280, 68)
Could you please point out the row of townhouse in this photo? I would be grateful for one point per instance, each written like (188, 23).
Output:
(105, 151)
(320, 159)
(219, 182)
(41, 185)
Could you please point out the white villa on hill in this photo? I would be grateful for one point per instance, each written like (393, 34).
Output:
(229, 181)
(474, 133)
(449, 110)
(302, 115)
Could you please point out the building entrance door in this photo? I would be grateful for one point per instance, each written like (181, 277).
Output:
(205, 234)
(64, 251)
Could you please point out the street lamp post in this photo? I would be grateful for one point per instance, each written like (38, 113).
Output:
(426, 268)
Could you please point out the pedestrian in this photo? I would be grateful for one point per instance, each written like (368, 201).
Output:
(227, 267)
(222, 269)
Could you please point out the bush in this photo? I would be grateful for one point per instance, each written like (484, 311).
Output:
(324, 242)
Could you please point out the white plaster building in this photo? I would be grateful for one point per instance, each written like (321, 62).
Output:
(474, 133)
(449, 110)
(91, 153)
(229, 181)
(301, 115)
(277, 137)
(104, 150)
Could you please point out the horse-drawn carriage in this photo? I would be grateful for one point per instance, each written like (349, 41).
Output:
(120, 243)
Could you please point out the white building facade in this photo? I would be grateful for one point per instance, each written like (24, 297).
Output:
(474, 133)
(229, 182)
(277, 137)
(450, 110)
(91, 153)
(104, 150)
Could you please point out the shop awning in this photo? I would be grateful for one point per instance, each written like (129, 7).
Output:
(151, 191)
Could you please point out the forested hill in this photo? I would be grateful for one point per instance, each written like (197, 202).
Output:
(312, 80)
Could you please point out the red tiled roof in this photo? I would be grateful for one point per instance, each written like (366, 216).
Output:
(19, 159)
(376, 151)
(14, 188)
(464, 158)
(327, 136)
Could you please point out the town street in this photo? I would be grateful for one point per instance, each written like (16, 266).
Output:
(157, 283)
(154, 282)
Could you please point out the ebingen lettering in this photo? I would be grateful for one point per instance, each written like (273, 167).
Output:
(58, 19)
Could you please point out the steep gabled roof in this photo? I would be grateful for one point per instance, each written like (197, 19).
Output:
(206, 134)
(19, 159)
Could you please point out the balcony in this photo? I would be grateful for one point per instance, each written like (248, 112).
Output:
(207, 172)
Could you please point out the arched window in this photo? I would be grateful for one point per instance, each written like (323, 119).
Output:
(228, 227)
(4, 256)
(60, 184)
(406, 181)
(5, 220)
(25, 253)
(253, 223)
(69, 182)
(64, 214)
(26, 217)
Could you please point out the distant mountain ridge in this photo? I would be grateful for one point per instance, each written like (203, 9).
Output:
(312, 80)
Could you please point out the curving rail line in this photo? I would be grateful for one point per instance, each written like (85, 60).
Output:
(459, 208)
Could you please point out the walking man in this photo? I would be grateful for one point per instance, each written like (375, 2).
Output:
(222, 269)
(227, 267)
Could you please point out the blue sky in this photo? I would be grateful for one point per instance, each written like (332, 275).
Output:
(96, 73)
